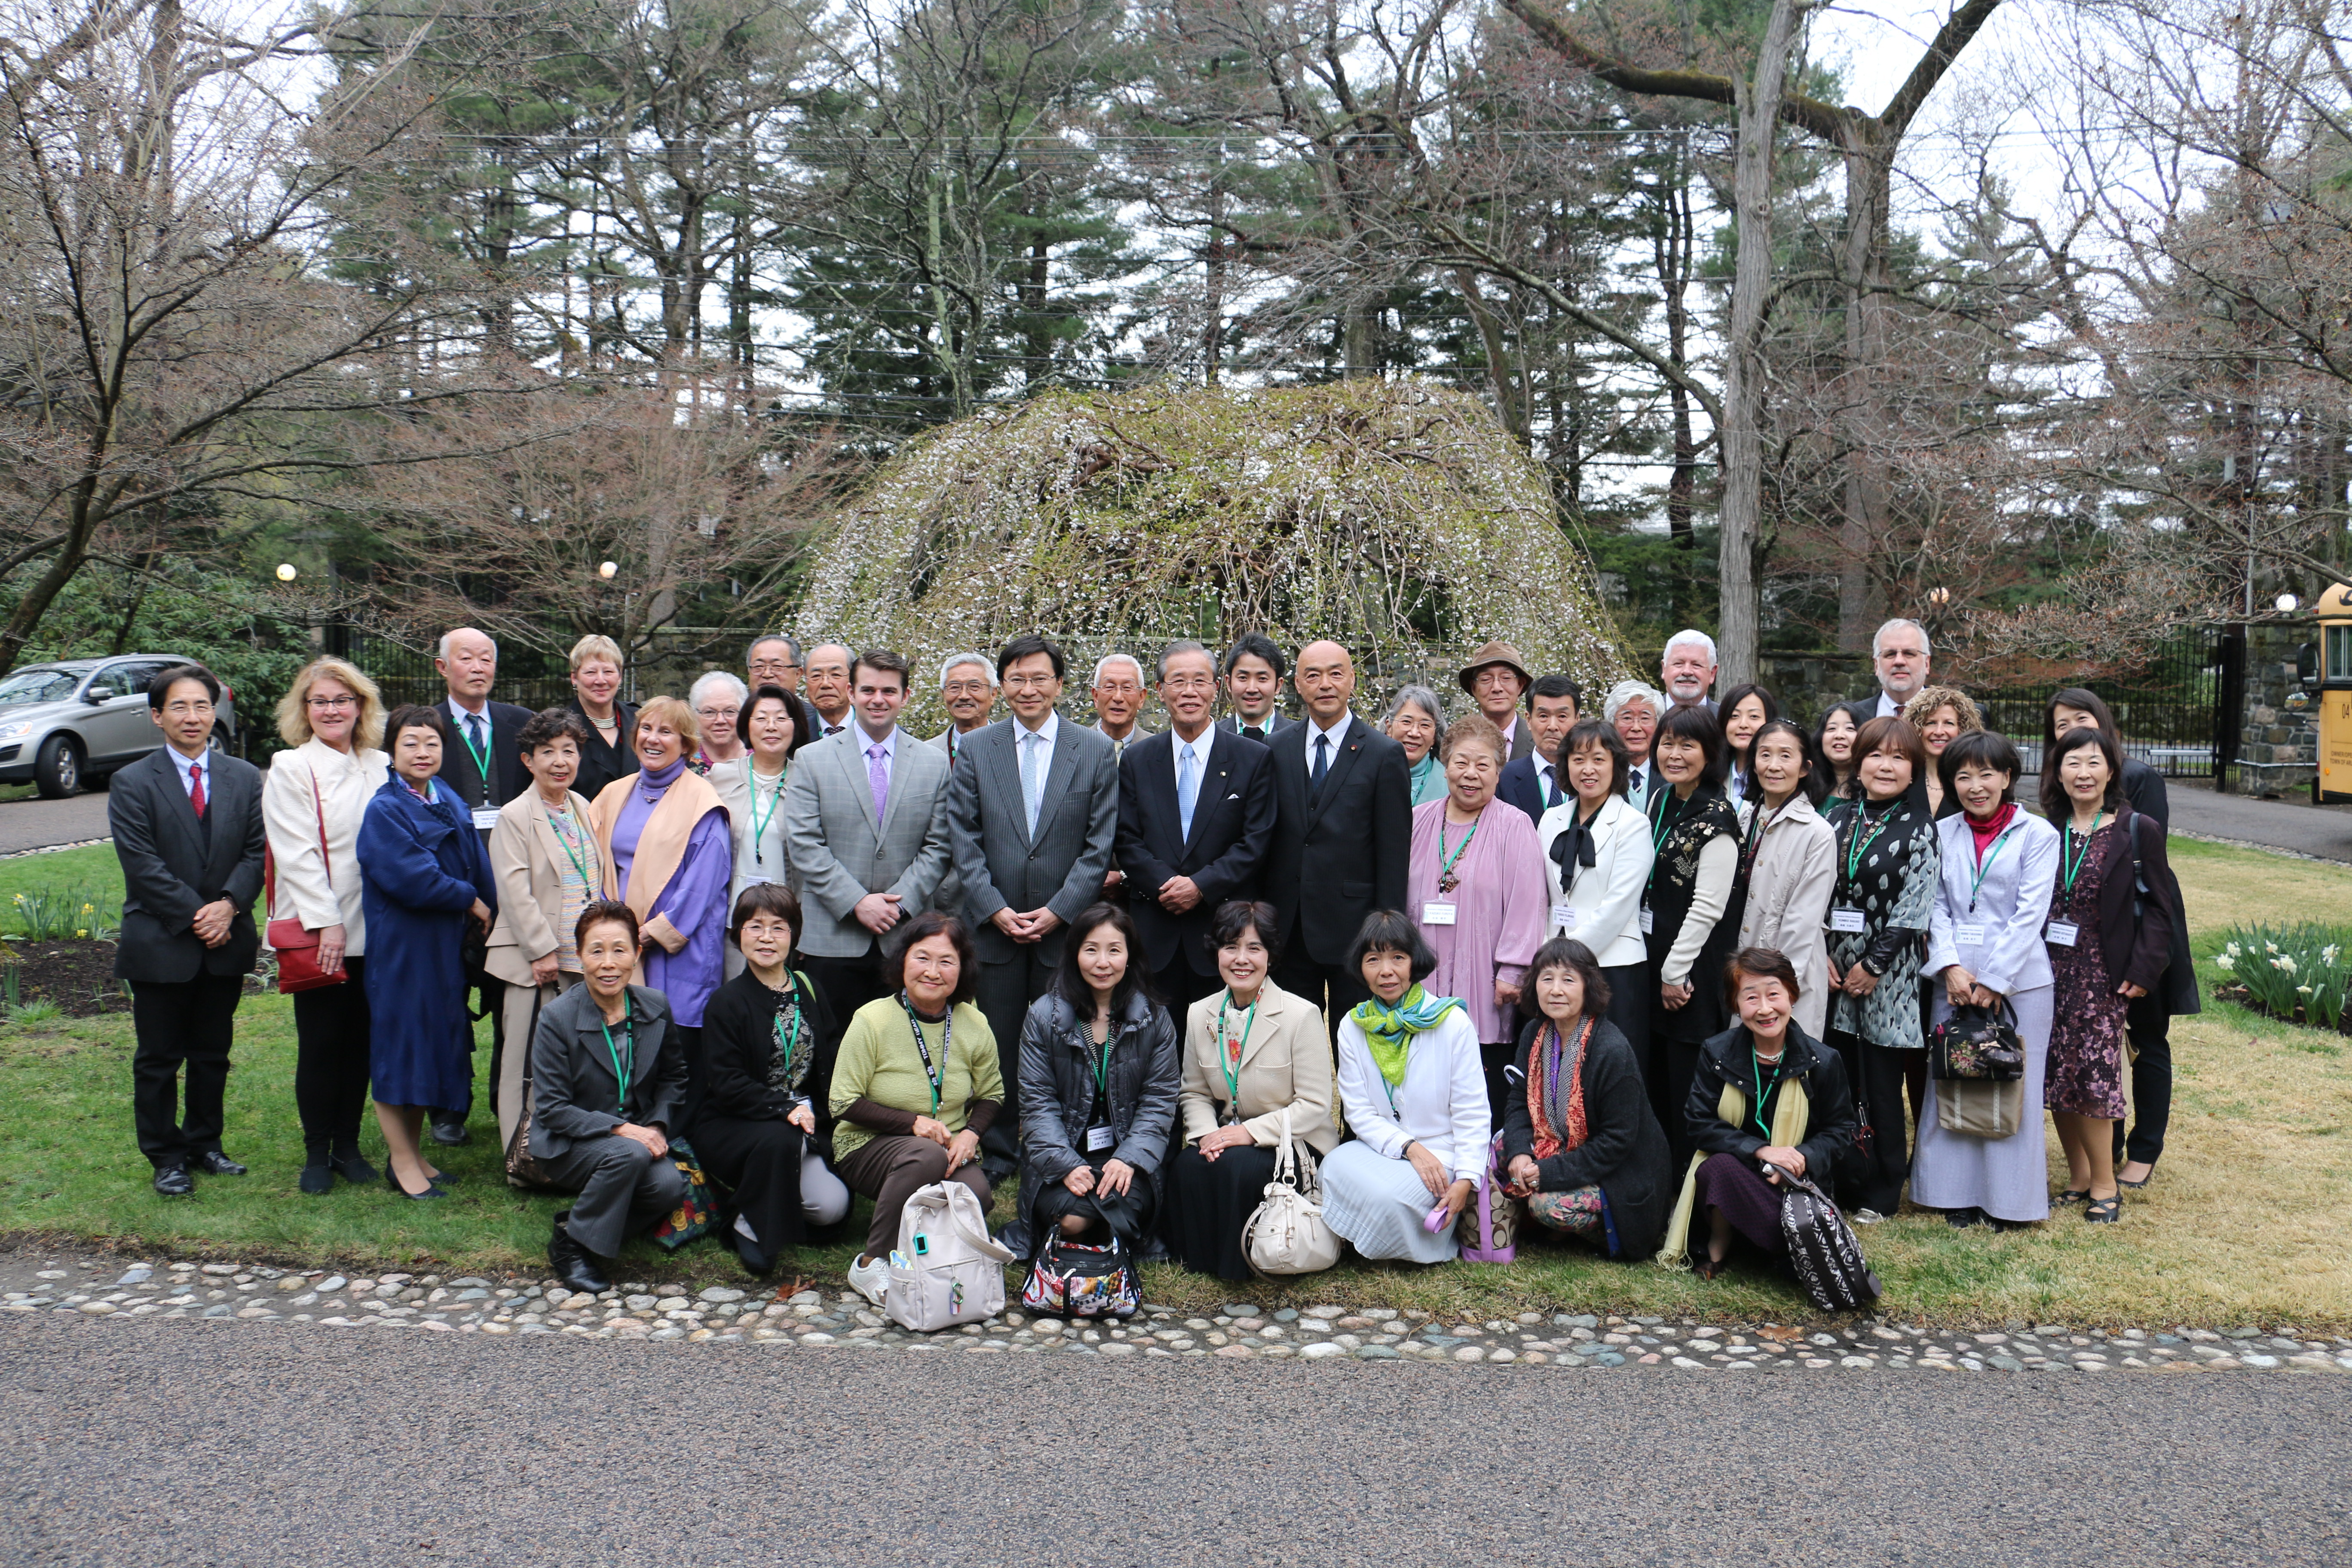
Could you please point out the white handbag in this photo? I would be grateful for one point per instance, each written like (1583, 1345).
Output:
(1286, 1234)
(946, 1270)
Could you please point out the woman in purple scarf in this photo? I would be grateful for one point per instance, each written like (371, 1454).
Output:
(668, 854)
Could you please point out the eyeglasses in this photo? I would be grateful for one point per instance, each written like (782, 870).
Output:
(1029, 683)
(1190, 683)
(329, 704)
(964, 689)
(716, 713)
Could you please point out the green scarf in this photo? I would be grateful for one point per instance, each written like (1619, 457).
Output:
(1388, 1031)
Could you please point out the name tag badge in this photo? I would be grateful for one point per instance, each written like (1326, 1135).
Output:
(1847, 919)
(486, 817)
(2061, 933)
(1649, 920)
(1564, 916)
(1437, 913)
(1098, 1139)
(1969, 935)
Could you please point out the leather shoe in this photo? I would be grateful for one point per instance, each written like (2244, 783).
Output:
(354, 1169)
(213, 1163)
(318, 1180)
(451, 1133)
(172, 1182)
(574, 1264)
(442, 1179)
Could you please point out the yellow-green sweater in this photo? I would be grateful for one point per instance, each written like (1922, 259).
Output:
(877, 1061)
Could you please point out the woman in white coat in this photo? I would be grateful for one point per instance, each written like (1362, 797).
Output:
(1788, 862)
(1596, 855)
(1414, 1087)
(1986, 943)
(331, 719)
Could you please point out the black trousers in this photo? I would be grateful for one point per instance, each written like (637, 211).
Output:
(846, 984)
(1675, 1064)
(1178, 987)
(1334, 987)
(1006, 989)
(1134, 1214)
(331, 1064)
(760, 1162)
(493, 994)
(1873, 1178)
(187, 1024)
(2149, 1021)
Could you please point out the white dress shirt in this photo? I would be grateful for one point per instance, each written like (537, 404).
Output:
(188, 766)
(1336, 733)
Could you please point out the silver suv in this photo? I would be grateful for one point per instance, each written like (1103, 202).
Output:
(67, 724)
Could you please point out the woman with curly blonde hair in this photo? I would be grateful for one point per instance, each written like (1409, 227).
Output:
(312, 800)
(1941, 714)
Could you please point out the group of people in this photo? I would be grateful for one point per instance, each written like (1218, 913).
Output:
(1627, 969)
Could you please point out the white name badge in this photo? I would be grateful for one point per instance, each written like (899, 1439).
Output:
(1437, 913)
(1969, 935)
(1564, 916)
(2061, 933)
(1097, 1140)
(1847, 920)
(486, 817)
(1649, 920)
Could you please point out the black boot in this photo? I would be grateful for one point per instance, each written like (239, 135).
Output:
(318, 1173)
(572, 1263)
(348, 1164)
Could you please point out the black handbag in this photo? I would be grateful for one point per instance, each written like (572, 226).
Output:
(1822, 1249)
(1977, 1043)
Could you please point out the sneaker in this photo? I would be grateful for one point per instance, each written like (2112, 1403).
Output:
(1865, 1217)
(869, 1279)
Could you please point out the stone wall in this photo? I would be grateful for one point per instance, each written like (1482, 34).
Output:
(2278, 746)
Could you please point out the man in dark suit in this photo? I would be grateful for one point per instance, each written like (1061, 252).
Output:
(1253, 671)
(1195, 817)
(1633, 712)
(1032, 808)
(775, 661)
(483, 763)
(187, 828)
(1528, 782)
(1342, 836)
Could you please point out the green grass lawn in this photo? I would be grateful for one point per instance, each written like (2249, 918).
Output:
(2242, 1225)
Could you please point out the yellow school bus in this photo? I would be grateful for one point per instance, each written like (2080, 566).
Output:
(2334, 609)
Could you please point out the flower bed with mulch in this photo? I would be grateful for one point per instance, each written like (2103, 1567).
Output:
(76, 974)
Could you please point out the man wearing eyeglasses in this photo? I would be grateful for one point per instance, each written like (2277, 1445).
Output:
(1195, 816)
(775, 661)
(483, 763)
(1033, 807)
(968, 692)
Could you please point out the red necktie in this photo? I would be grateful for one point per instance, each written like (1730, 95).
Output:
(197, 789)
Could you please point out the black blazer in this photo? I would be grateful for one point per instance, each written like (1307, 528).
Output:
(1728, 1060)
(600, 764)
(174, 865)
(1232, 725)
(1233, 823)
(509, 778)
(1522, 785)
(738, 1042)
(1624, 1150)
(1343, 855)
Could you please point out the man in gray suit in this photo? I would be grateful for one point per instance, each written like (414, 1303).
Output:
(1032, 810)
(866, 826)
(187, 828)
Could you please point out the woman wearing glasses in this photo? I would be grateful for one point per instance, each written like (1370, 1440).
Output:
(331, 719)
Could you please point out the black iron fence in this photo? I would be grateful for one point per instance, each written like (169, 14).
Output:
(525, 675)
(2169, 713)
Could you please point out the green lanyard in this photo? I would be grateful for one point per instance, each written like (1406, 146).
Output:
(1231, 1061)
(1102, 1066)
(1858, 846)
(1756, 1106)
(1662, 826)
(937, 1076)
(559, 820)
(791, 1042)
(481, 757)
(759, 823)
(2075, 862)
(1984, 863)
(1446, 880)
(622, 1071)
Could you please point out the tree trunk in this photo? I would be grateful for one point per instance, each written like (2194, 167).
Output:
(1863, 277)
(1738, 630)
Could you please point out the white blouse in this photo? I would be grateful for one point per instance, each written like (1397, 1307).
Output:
(1606, 896)
(346, 781)
(1441, 1105)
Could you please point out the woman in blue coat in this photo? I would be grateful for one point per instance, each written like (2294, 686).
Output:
(424, 874)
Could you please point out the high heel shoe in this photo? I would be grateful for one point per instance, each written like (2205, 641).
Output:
(391, 1179)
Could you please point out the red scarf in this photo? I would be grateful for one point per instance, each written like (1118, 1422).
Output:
(1991, 828)
(1556, 1125)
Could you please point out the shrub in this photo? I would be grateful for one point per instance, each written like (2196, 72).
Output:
(2299, 972)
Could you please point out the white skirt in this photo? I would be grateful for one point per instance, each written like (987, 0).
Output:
(1379, 1204)
(2009, 1178)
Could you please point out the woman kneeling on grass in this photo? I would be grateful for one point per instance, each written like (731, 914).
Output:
(607, 1077)
(1580, 1142)
(1415, 1093)
(915, 1085)
(1768, 1097)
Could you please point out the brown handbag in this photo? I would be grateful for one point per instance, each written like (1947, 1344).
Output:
(523, 1167)
(296, 946)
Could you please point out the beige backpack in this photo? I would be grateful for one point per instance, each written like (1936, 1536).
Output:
(946, 1269)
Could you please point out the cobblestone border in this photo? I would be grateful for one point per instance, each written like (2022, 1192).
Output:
(53, 848)
(514, 1305)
